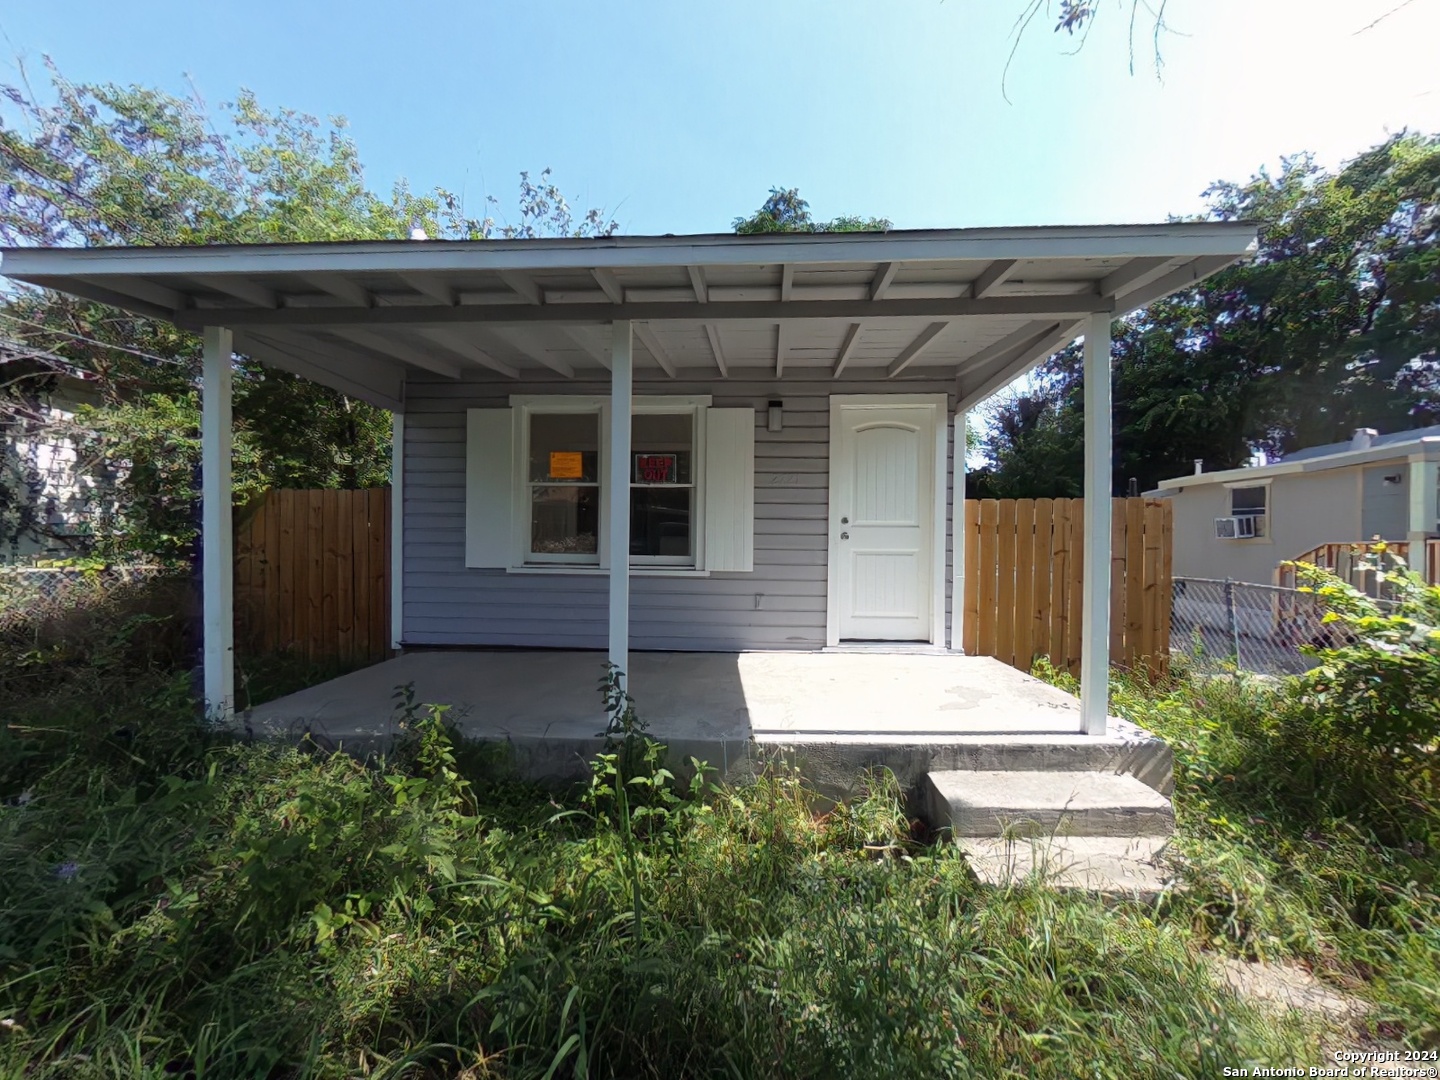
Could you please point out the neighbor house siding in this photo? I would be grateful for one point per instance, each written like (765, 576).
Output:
(1385, 508)
(778, 605)
(1305, 511)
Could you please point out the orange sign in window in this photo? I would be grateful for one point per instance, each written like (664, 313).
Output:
(566, 465)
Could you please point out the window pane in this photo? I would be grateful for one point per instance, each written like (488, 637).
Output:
(564, 520)
(1247, 500)
(660, 447)
(565, 447)
(660, 521)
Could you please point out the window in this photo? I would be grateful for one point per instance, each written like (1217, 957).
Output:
(564, 487)
(566, 450)
(1251, 502)
(537, 478)
(662, 488)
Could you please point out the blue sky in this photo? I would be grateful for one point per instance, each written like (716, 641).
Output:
(679, 116)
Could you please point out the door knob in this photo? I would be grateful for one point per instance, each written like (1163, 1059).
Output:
(844, 536)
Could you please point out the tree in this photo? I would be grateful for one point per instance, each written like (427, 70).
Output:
(786, 212)
(1334, 324)
(103, 165)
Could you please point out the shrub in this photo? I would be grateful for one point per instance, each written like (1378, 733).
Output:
(1379, 678)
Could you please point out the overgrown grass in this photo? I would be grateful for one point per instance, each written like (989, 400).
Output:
(177, 904)
(1301, 842)
(256, 911)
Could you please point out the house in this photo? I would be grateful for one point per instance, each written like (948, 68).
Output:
(1242, 524)
(47, 493)
(741, 457)
(786, 481)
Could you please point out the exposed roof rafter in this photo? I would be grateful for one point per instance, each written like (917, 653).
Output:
(243, 289)
(341, 288)
(595, 350)
(160, 296)
(609, 284)
(1011, 365)
(993, 276)
(846, 348)
(523, 286)
(452, 341)
(915, 348)
(713, 333)
(647, 338)
(884, 275)
(431, 286)
(368, 339)
(697, 283)
(1133, 274)
(535, 351)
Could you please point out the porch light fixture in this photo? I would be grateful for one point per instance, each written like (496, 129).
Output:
(775, 419)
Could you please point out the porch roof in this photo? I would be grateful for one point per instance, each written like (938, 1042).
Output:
(979, 305)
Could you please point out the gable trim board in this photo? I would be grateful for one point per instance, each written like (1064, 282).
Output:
(763, 580)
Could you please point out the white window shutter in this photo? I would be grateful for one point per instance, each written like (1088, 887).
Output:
(730, 489)
(489, 503)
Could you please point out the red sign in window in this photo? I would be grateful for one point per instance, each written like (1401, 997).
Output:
(656, 469)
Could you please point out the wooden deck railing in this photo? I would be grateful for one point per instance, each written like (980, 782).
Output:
(1343, 560)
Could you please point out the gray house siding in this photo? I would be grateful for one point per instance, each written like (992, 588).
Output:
(1385, 507)
(778, 605)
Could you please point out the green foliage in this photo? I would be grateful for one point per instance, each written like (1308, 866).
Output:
(176, 902)
(104, 165)
(1378, 679)
(1303, 840)
(1334, 324)
(786, 212)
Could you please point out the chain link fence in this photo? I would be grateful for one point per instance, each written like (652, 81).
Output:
(30, 591)
(1221, 625)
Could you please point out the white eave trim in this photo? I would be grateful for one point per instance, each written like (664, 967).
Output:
(1178, 240)
(1426, 449)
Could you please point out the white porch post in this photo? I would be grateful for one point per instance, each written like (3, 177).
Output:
(397, 528)
(1424, 505)
(619, 495)
(1095, 639)
(957, 534)
(216, 536)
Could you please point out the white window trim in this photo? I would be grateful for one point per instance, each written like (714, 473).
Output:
(1269, 514)
(521, 559)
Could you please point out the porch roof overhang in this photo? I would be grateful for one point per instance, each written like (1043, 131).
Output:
(981, 306)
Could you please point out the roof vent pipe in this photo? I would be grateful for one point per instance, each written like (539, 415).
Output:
(1362, 438)
(1199, 465)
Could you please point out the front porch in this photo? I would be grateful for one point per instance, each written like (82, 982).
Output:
(832, 714)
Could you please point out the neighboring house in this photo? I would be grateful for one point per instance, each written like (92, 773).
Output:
(1242, 523)
(46, 492)
(710, 443)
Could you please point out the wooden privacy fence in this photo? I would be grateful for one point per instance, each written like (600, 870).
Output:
(312, 574)
(1023, 572)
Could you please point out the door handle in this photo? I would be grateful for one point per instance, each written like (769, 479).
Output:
(844, 536)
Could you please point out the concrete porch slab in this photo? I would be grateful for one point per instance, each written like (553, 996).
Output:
(832, 714)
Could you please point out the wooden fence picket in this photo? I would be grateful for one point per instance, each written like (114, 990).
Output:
(1024, 563)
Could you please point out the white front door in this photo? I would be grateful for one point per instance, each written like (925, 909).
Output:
(882, 514)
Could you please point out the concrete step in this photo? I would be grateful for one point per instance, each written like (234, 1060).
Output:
(1130, 866)
(974, 803)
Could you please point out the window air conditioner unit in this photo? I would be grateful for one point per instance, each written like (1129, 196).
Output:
(1240, 528)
